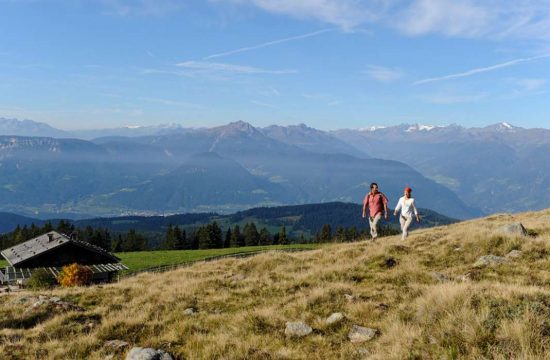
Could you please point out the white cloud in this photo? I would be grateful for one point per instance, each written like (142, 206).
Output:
(384, 74)
(530, 85)
(448, 17)
(141, 7)
(494, 19)
(230, 68)
(481, 70)
(267, 44)
(345, 14)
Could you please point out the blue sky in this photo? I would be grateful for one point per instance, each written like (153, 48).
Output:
(327, 63)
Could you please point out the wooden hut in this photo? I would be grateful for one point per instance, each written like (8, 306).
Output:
(52, 251)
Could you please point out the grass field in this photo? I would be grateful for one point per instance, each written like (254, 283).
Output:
(140, 260)
(425, 298)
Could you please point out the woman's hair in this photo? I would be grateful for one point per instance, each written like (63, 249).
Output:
(373, 185)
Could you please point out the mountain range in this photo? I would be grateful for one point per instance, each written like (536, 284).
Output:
(460, 172)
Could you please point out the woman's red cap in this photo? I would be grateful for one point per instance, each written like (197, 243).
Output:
(408, 189)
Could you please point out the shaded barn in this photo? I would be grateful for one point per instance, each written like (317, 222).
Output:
(52, 251)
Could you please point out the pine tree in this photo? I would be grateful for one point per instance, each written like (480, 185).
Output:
(340, 235)
(216, 238)
(180, 237)
(169, 242)
(227, 240)
(265, 237)
(283, 239)
(326, 234)
(251, 236)
(236, 237)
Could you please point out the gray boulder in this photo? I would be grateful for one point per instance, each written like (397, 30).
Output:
(359, 334)
(139, 353)
(488, 260)
(335, 319)
(116, 344)
(515, 229)
(440, 277)
(189, 311)
(514, 254)
(297, 329)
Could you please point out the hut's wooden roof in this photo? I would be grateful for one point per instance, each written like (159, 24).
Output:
(45, 243)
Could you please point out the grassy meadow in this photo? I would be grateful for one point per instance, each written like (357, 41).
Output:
(140, 260)
(424, 297)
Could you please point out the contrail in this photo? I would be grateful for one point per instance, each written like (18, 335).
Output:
(269, 43)
(481, 70)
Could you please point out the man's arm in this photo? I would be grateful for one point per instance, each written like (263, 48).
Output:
(385, 202)
(365, 204)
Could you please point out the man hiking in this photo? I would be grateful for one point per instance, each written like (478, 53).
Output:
(408, 209)
(377, 203)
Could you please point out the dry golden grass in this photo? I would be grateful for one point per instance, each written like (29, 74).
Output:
(500, 312)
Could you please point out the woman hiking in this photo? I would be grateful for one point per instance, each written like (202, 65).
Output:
(407, 206)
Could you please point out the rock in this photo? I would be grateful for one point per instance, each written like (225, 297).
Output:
(335, 318)
(514, 254)
(55, 299)
(109, 357)
(359, 334)
(487, 260)
(297, 329)
(440, 277)
(116, 344)
(349, 297)
(464, 278)
(54, 303)
(139, 353)
(362, 352)
(189, 311)
(516, 229)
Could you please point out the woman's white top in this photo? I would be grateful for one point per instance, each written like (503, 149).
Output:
(407, 207)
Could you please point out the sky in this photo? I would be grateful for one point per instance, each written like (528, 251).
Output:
(81, 64)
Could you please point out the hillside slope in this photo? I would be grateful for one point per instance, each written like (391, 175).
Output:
(424, 296)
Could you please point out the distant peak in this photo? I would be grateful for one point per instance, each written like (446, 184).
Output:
(419, 127)
(372, 128)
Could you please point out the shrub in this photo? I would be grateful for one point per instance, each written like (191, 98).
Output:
(41, 279)
(75, 275)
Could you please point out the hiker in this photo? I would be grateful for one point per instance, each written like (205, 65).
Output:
(377, 203)
(408, 209)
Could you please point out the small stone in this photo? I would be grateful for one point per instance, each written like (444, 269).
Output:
(109, 357)
(297, 329)
(363, 352)
(55, 299)
(457, 249)
(440, 277)
(514, 254)
(189, 311)
(139, 353)
(487, 260)
(335, 318)
(464, 278)
(359, 334)
(116, 344)
(349, 297)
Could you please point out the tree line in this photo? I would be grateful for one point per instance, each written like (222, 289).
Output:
(208, 236)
